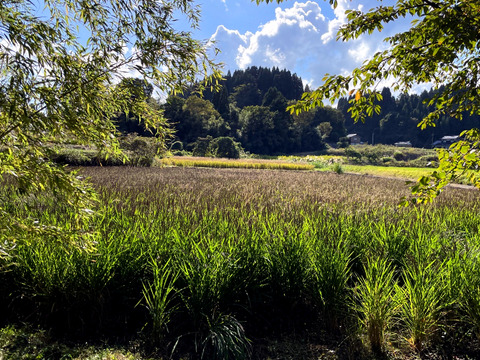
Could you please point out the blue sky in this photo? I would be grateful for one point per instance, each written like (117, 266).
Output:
(299, 36)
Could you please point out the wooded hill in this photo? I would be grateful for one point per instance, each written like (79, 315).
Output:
(250, 108)
(399, 118)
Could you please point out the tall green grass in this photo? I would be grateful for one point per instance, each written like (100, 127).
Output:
(220, 256)
(158, 297)
(377, 305)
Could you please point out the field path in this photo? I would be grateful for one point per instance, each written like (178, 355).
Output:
(453, 185)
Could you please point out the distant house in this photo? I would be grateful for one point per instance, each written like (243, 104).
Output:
(445, 141)
(403, 144)
(354, 139)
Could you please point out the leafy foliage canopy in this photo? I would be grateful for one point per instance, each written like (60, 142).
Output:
(56, 87)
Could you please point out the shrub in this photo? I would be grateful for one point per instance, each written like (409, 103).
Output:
(425, 161)
(222, 147)
(74, 157)
(100, 159)
(319, 164)
(343, 142)
(140, 150)
(181, 153)
(398, 155)
(372, 155)
(337, 167)
(201, 147)
(81, 157)
(176, 146)
(353, 154)
(225, 147)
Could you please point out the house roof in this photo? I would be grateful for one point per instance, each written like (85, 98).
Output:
(450, 138)
(403, 143)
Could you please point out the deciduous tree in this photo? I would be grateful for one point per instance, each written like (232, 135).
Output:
(199, 120)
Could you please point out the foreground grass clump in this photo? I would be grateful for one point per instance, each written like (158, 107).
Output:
(29, 343)
(217, 263)
(376, 300)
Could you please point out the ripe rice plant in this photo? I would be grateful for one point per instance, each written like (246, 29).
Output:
(377, 304)
(206, 275)
(47, 273)
(424, 299)
(288, 259)
(331, 273)
(158, 296)
(466, 272)
(207, 271)
(412, 173)
(224, 163)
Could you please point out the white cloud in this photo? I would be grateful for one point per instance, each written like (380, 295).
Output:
(224, 2)
(360, 52)
(334, 24)
(302, 39)
(230, 41)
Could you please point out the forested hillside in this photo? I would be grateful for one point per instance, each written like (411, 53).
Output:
(251, 109)
(399, 118)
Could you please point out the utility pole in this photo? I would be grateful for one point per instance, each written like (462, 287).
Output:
(373, 136)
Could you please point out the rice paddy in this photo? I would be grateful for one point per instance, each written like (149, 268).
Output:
(217, 263)
(409, 173)
(230, 163)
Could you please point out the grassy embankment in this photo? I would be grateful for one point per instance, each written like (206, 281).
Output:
(239, 263)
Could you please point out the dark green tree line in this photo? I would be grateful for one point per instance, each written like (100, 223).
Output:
(251, 108)
(399, 118)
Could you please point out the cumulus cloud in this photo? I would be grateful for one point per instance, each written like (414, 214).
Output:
(302, 39)
(229, 42)
(279, 42)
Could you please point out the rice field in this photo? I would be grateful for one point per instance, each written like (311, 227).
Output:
(231, 163)
(236, 263)
(321, 163)
(408, 173)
